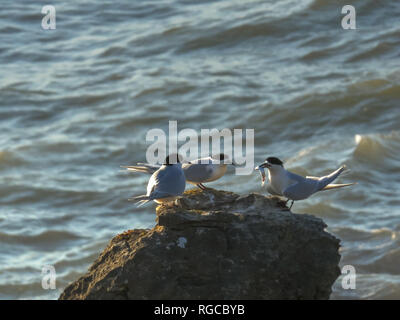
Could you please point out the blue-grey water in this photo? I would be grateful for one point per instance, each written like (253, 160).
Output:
(77, 102)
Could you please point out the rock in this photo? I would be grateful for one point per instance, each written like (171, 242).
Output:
(217, 245)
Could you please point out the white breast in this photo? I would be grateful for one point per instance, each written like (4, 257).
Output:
(279, 181)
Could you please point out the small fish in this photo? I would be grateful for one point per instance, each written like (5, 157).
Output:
(262, 173)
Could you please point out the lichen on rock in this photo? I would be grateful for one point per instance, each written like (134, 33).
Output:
(217, 245)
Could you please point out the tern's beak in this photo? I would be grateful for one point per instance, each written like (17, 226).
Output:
(263, 165)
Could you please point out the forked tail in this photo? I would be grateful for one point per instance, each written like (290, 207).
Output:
(141, 200)
(323, 182)
(336, 186)
(142, 167)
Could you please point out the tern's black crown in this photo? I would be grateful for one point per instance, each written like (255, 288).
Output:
(274, 160)
(220, 156)
(172, 159)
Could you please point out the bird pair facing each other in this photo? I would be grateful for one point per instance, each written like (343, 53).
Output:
(168, 181)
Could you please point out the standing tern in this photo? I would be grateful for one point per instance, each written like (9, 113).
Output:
(166, 183)
(197, 171)
(292, 186)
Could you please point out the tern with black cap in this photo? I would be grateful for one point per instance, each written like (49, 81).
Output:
(165, 184)
(295, 187)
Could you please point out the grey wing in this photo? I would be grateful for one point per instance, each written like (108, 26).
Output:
(154, 191)
(196, 172)
(295, 177)
(301, 190)
(305, 187)
(168, 181)
(324, 181)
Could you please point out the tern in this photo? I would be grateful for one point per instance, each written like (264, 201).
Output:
(165, 184)
(294, 187)
(197, 171)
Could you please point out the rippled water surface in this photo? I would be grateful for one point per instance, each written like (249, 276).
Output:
(77, 102)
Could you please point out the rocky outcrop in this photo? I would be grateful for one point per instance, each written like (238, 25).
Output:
(217, 245)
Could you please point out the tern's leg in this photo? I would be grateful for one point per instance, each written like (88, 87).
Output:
(204, 187)
(200, 186)
(291, 205)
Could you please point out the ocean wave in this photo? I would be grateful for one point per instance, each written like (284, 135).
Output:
(374, 84)
(43, 240)
(369, 286)
(58, 195)
(377, 148)
(315, 94)
(9, 159)
(375, 236)
(326, 210)
(388, 263)
(377, 51)
(392, 92)
(325, 52)
(231, 36)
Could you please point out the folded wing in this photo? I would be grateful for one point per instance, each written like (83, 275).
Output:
(336, 186)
